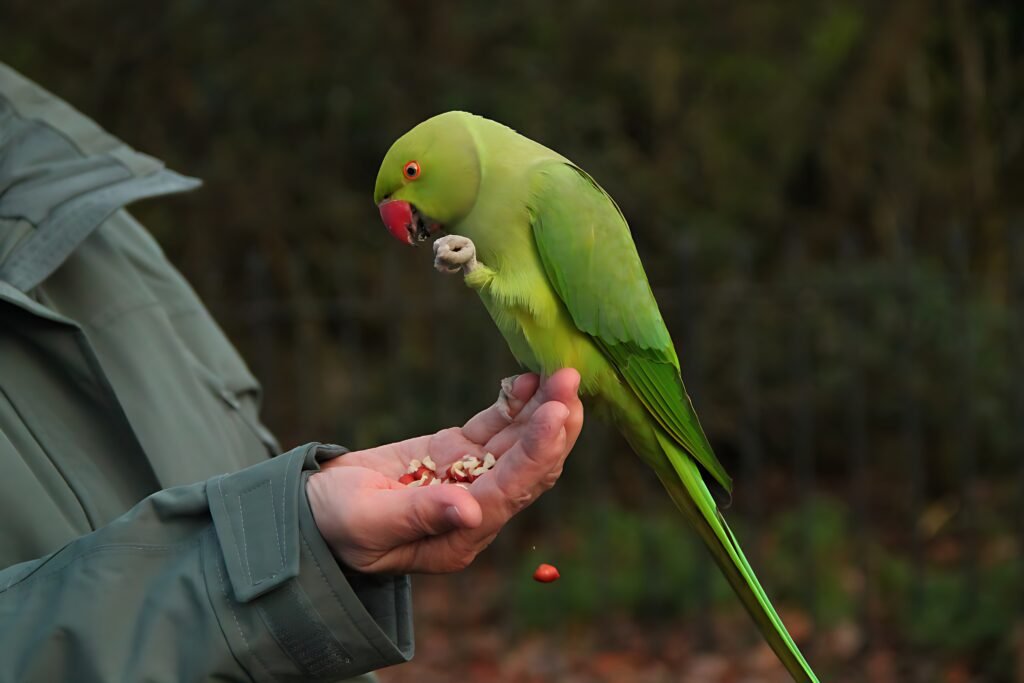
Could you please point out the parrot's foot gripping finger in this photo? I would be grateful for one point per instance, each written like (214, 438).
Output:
(508, 405)
(453, 253)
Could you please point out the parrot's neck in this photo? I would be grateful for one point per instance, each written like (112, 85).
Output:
(499, 223)
(502, 235)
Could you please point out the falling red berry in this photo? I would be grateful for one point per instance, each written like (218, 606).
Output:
(545, 573)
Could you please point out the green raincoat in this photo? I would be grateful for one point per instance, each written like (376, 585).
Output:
(147, 534)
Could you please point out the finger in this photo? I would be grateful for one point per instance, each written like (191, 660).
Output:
(563, 386)
(573, 423)
(399, 516)
(485, 424)
(435, 555)
(524, 472)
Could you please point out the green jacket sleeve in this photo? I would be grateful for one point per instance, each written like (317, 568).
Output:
(227, 580)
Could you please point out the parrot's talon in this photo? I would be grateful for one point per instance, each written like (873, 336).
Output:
(453, 253)
(505, 397)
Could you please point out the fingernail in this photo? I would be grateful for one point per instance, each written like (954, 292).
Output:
(453, 516)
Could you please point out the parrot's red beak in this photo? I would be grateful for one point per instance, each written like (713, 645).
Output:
(398, 219)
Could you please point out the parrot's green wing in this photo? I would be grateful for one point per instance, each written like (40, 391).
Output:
(592, 263)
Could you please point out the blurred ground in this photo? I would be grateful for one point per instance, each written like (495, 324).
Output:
(466, 637)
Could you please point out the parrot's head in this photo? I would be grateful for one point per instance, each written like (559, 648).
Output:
(429, 178)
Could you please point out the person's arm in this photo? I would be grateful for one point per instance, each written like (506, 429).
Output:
(232, 579)
(227, 579)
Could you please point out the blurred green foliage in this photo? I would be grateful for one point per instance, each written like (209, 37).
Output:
(653, 569)
(656, 573)
(826, 195)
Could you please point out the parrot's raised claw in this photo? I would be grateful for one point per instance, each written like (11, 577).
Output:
(453, 253)
(505, 397)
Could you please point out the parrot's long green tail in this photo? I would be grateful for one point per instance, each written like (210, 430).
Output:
(694, 499)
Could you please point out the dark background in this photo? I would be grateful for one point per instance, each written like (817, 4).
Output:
(828, 199)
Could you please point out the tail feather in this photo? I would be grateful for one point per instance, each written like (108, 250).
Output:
(693, 498)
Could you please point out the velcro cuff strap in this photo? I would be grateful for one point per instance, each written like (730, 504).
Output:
(256, 516)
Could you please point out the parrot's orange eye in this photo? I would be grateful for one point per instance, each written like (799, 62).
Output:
(411, 170)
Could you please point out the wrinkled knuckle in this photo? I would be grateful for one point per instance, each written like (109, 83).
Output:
(537, 450)
(551, 478)
(517, 503)
(514, 499)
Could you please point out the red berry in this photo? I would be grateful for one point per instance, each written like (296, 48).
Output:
(545, 573)
(406, 479)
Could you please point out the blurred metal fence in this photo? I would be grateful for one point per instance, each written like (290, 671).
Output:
(851, 377)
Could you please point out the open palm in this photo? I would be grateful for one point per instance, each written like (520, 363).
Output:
(375, 524)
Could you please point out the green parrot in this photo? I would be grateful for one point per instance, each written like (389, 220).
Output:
(552, 258)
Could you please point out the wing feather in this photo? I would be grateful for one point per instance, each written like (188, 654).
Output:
(592, 263)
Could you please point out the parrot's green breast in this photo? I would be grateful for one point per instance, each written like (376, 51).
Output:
(517, 293)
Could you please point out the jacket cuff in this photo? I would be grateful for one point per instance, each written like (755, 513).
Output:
(285, 607)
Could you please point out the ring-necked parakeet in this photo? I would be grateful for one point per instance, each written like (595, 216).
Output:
(552, 258)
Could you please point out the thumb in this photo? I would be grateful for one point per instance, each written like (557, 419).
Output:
(409, 514)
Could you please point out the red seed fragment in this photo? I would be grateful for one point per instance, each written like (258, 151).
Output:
(545, 573)
(463, 471)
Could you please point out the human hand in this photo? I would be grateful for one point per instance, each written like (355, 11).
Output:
(374, 524)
